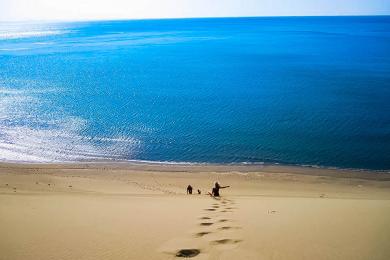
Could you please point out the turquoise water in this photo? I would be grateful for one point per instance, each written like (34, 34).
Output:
(306, 91)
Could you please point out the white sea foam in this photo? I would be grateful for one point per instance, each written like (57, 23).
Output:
(43, 43)
(14, 49)
(29, 34)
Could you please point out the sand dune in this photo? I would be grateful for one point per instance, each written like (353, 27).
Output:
(140, 211)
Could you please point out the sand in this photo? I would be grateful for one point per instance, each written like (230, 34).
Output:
(141, 211)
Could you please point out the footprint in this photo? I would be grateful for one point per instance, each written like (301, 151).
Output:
(206, 224)
(201, 234)
(204, 218)
(187, 253)
(227, 228)
(226, 241)
(185, 247)
(215, 207)
(223, 220)
(210, 209)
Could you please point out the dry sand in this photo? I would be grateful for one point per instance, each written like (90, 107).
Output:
(141, 211)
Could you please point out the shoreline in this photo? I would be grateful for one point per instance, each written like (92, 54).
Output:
(382, 175)
(187, 163)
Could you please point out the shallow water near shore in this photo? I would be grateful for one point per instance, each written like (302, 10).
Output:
(306, 91)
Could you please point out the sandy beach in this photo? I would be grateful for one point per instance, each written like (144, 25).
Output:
(141, 211)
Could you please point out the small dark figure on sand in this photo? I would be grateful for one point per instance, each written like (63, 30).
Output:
(189, 189)
(199, 192)
(216, 188)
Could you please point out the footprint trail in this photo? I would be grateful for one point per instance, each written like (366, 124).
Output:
(216, 231)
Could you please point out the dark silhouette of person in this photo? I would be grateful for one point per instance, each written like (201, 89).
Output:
(189, 189)
(215, 191)
(199, 192)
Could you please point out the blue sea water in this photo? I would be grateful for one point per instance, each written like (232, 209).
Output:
(293, 90)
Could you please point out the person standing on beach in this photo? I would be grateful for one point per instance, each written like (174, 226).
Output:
(189, 189)
(215, 191)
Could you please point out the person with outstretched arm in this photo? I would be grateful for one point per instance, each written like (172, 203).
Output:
(215, 191)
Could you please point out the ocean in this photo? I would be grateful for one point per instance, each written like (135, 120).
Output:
(278, 90)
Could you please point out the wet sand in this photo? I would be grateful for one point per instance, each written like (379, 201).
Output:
(141, 211)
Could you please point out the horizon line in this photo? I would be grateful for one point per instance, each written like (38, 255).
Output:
(190, 17)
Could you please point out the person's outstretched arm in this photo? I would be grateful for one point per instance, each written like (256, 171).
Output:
(223, 187)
